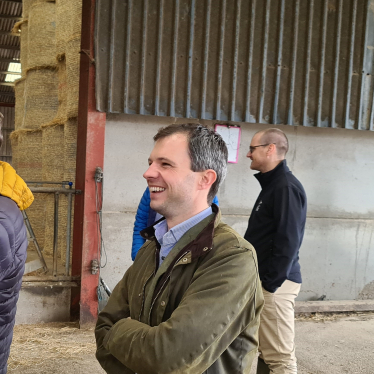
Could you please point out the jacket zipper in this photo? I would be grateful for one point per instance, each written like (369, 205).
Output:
(162, 287)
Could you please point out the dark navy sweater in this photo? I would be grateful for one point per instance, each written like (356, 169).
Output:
(276, 226)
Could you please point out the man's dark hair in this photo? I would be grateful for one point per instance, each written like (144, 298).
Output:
(1, 134)
(277, 137)
(207, 150)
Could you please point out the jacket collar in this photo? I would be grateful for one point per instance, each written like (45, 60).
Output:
(203, 242)
(14, 187)
(266, 178)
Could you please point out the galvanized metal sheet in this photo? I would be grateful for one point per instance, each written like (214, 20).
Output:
(291, 62)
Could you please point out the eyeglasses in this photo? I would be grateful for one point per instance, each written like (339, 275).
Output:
(252, 148)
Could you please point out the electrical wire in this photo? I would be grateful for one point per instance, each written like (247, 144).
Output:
(99, 223)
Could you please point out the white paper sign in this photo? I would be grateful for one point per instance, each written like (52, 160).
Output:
(231, 136)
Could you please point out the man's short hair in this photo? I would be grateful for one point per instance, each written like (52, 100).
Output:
(1, 124)
(277, 137)
(207, 150)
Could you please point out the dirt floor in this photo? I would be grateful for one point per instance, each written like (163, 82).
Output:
(326, 344)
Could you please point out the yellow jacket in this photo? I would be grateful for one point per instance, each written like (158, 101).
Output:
(14, 187)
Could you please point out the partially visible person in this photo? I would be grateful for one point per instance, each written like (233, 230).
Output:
(145, 217)
(276, 229)
(14, 197)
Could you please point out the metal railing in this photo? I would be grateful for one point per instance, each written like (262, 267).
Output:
(65, 189)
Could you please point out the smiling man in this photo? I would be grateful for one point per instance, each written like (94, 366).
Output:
(191, 301)
(276, 229)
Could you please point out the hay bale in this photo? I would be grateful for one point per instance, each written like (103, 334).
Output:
(19, 90)
(72, 75)
(41, 96)
(42, 38)
(27, 158)
(24, 40)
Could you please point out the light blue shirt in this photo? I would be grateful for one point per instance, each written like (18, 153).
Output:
(168, 239)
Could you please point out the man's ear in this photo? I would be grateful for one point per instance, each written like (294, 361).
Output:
(272, 149)
(208, 177)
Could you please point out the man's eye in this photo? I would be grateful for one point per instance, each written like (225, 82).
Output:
(165, 164)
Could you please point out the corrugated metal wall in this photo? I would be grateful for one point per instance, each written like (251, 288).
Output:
(7, 128)
(297, 62)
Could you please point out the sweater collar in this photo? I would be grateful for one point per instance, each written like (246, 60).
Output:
(266, 178)
(203, 243)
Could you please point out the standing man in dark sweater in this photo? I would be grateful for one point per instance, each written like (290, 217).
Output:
(276, 230)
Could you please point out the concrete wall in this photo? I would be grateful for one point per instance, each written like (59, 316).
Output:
(335, 166)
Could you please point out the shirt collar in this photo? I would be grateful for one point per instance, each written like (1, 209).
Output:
(179, 230)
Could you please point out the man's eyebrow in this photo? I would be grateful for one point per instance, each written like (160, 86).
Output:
(165, 159)
(162, 159)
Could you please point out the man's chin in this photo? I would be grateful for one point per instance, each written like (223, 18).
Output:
(156, 207)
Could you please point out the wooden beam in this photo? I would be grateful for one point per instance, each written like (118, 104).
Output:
(11, 1)
(8, 16)
(10, 84)
(9, 72)
(11, 47)
(6, 93)
(11, 105)
(9, 59)
(2, 32)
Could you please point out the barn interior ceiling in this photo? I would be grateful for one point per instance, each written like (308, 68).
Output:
(10, 13)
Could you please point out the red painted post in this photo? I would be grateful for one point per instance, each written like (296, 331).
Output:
(90, 154)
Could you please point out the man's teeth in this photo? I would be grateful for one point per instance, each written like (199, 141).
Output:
(156, 189)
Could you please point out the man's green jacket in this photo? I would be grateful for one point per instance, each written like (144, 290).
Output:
(196, 313)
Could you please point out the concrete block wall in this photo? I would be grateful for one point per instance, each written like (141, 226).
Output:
(334, 165)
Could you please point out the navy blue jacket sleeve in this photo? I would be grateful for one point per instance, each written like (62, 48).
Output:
(289, 216)
(141, 220)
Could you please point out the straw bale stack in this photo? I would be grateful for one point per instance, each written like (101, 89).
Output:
(47, 107)
(42, 35)
(27, 158)
(41, 96)
(72, 75)
(19, 89)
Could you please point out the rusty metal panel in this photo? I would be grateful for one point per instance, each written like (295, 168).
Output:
(294, 62)
(6, 129)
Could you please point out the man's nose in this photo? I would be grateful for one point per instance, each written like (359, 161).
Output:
(249, 154)
(151, 172)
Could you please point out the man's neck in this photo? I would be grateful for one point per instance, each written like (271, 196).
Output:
(271, 166)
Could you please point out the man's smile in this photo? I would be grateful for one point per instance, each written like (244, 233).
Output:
(157, 189)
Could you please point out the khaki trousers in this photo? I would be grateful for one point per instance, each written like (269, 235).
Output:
(277, 329)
